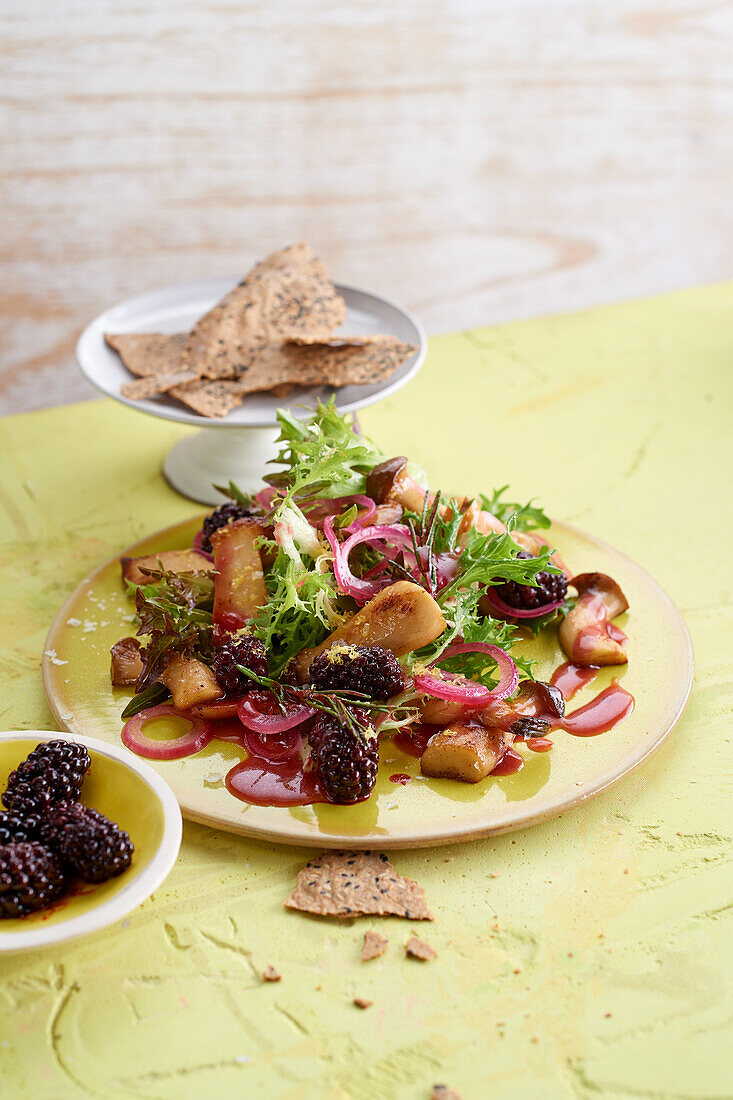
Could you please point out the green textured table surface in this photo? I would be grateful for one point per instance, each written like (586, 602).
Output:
(586, 957)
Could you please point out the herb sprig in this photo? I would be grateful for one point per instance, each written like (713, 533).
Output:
(353, 709)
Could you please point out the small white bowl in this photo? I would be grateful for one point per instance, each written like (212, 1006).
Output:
(128, 791)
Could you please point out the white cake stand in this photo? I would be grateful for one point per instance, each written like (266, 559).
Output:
(238, 446)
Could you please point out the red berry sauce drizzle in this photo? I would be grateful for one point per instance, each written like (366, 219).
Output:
(273, 774)
(602, 713)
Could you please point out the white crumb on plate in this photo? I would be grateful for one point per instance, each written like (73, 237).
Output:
(51, 654)
(73, 622)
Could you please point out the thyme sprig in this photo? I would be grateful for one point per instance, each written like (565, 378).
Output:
(352, 709)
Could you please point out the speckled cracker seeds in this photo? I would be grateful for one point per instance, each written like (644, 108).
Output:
(353, 884)
(148, 354)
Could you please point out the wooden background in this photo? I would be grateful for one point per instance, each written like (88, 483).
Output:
(478, 160)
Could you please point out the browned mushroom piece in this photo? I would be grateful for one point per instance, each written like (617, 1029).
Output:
(390, 483)
(381, 479)
(587, 634)
(137, 570)
(402, 617)
(466, 751)
(127, 664)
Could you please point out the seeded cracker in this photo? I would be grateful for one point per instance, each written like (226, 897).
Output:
(156, 383)
(209, 398)
(148, 354)
(354, 884)
(370, 360)
(288, 295)
(418, 949)
(374, 945)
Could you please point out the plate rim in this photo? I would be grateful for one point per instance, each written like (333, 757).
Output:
(142, 885)
(447, 835)
(96, 328)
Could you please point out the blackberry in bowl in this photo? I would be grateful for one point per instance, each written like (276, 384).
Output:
(76, 867)
(53, 771)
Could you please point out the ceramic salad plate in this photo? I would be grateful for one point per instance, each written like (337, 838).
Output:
(405, 808)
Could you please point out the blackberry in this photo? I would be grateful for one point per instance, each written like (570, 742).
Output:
(368, 669)
(345, 764)
(31, 877)
(87, 843)
(550, 587)
(245, 650)
(54, 771)
(220, 517)
(14, 828)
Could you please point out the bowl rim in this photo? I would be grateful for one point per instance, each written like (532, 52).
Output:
(140, 886)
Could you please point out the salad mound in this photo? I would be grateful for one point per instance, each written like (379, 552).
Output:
(344, 603)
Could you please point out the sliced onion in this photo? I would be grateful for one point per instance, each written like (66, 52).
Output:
(273, 748)
(265, 497)
(508, 612)
(456, 689)
(187, 744)
(197, 546)
(361, 588)
(260, 713)
(459, 688)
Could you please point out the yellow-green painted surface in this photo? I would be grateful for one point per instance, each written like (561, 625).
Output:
(586, 957)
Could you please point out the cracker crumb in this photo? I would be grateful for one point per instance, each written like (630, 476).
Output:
(374, 945)
(442, 1092)
(270, 974)
(418, 949)
(496, 874)
(362, 1002)
(355, 884)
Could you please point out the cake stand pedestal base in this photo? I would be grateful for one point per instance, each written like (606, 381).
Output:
(215, 457)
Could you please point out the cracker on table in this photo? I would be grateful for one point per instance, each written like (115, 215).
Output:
(289, 294)
(374, 945)
(154, 384)
(418, 949)
(212, 399)
(150, 353)
(353, 884)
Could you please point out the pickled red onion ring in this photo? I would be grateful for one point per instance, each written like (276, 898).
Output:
(360, 588)
(187, 744)
(197, 546)
(272, 748)
(460, 689)
(509, 612)
(259, 721)
(264, 498)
